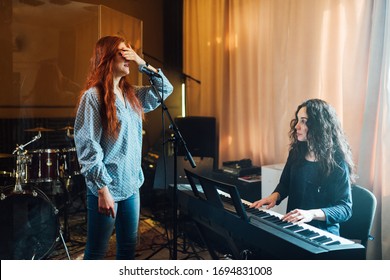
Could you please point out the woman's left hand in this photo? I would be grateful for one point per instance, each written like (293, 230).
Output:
(298, 216)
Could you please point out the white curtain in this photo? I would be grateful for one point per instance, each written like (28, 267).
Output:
(374, 165)
(258, 59)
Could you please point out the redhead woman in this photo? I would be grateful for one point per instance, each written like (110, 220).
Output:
(108, 138)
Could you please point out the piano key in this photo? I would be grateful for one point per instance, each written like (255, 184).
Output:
(322, 238)
(283, 223)
(333, 243)
(308, 233)
(261, 214)
(326, 240)
(294, 228)
(272, 218)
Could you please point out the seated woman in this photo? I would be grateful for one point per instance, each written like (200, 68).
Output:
(318, 173)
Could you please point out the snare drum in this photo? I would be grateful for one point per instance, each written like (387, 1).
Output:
(44, 165)
(69, 163)
(30, 224)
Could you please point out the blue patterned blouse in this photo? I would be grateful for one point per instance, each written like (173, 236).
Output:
(108, 162)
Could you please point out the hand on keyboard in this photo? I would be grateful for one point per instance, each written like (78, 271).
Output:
(269, 201)
(304, 216)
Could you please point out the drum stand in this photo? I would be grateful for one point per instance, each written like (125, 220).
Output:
(65, 247)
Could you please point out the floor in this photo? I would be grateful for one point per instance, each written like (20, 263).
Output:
(48, 221)
(155, 237)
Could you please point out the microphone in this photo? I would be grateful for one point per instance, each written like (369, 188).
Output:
(147, 71)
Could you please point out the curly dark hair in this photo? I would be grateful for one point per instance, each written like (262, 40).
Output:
(325, 137)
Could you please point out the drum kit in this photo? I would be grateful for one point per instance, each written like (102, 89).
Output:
(29, 216)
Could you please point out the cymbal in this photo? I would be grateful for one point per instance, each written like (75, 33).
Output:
(2, 155)
(6, 173)
(67, 128)
(40, 129)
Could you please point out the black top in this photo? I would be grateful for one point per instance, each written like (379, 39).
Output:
(307, 188)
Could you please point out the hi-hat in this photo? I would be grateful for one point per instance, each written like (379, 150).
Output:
(39, 129)
(67, 128)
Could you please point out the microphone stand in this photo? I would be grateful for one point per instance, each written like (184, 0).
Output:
(177, 139)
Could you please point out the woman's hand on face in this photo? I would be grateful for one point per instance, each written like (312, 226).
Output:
(129, 54)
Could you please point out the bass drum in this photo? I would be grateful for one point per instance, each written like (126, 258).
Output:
(29, 224)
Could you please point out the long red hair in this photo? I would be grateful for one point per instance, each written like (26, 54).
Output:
(101, 76)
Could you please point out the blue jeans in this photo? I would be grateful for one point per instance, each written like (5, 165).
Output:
(100, 228)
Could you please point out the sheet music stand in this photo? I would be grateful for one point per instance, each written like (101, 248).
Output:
(209, 192)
